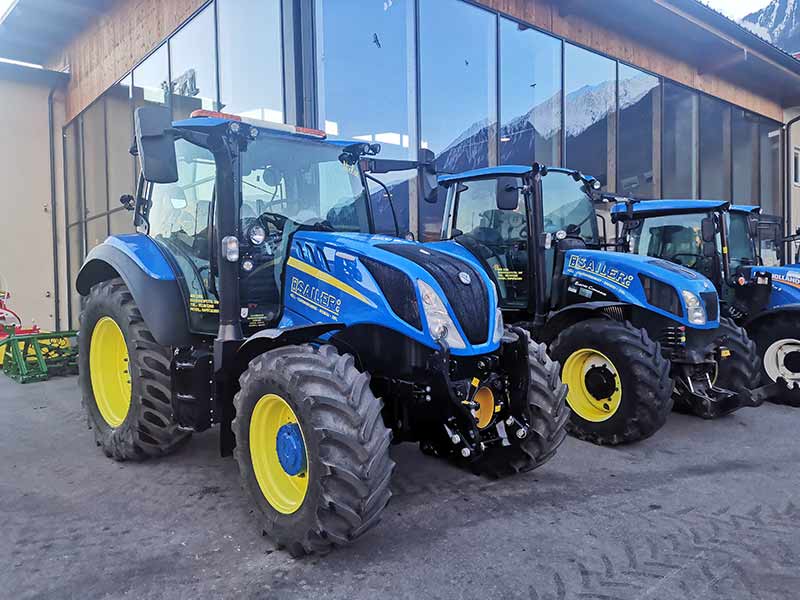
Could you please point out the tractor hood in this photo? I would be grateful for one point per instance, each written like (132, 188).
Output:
(651, 283)
(415, 289)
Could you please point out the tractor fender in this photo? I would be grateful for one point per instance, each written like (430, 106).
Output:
(269, 339)
(150, 279)
(754, 322)
(561, 319)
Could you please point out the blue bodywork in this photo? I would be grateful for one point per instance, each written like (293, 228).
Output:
(327, 283)
(651, 208)
(619, 273)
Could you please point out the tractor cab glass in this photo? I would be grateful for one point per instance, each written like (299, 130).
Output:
(498, 236)
(741, 247)
(288, 184)
(180, 217)
(568, 207)
(676, 238)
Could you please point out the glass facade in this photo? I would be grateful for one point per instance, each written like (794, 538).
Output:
(590, 105)
(638, 154)
(475, 87)
(530, 95)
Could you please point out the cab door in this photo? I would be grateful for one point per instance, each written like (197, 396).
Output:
(180, 217)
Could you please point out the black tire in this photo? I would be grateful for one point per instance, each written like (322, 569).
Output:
(346, 441)
(740, 371)
(646, 399)
(547, 417)
(768, 331)
(148, 429)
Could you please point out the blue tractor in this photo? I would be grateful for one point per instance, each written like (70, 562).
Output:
(633, 334)
(721, 242)
(254, 299)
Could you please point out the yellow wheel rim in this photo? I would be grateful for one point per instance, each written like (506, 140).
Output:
(595, 389)
(278, 453)
(110, 372)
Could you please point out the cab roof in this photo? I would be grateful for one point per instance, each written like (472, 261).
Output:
(655, 208)
(505, 170)
(746, 208)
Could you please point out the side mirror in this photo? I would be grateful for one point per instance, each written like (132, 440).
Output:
(709, 230)
(156, 144)
(430, 181)
(507, 193)
(709, 249)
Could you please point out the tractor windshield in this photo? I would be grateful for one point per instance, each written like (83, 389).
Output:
(290, 182)
(566, 206)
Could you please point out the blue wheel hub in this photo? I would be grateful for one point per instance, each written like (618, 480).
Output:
(291, 450)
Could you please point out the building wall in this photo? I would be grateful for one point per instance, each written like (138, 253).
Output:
(26, 254)
(115, 41)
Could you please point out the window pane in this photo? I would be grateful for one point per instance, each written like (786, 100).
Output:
(680, 142)
(770, 146)
(193, 66)
(150, 79)
(121, 222)
(591, 92)
(75, 244)
(94, 159)
(745, 157)
(119, 122)
(96, 232)
(241, 93)
(530, 95)
(381, 35)
(459, 92)
(639, 110)
(715, 149)
(72, 166)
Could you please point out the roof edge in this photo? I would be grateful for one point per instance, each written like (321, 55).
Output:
(23, 74)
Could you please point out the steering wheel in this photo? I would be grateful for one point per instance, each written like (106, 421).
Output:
(275, 219)
(674, 258)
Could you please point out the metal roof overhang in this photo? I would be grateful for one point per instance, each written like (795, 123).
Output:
(696, 34)
(34, 31)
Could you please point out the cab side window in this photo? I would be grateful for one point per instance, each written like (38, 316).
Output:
(180, 218)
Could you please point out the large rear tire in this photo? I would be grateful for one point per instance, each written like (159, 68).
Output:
(312, 448)
(547, 416)
(125, 378)
(777, 340)
(620, 390)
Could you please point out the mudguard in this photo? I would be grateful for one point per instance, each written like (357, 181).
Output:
(267, 339)
(561, 319)
(149, 277)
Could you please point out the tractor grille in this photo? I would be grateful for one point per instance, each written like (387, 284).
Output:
(661, 295)
(398, 289)
(712, 305)
(470, 303)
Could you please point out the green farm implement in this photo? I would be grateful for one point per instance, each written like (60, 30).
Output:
(35, 356)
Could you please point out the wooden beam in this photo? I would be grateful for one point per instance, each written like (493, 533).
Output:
(741, 55)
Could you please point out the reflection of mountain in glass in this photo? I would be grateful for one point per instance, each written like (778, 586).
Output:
(540, 127)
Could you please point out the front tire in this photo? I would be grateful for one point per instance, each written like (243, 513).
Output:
(312, 448)
(740, 371)
(778, 344)
(620, 389)
(125, 378)
(547, 416)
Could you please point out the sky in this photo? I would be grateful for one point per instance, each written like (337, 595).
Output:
(735, 9)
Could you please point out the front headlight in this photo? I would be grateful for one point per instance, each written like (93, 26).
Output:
(499, 326)
(440, 325)
(696, 312)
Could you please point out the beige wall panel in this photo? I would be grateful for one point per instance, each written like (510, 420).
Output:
(26, 250)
